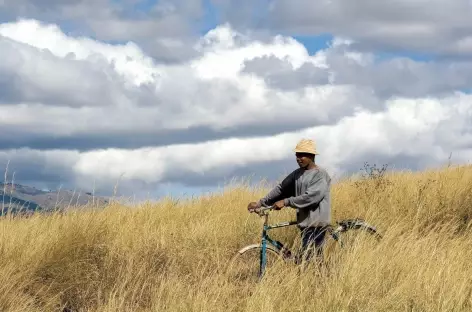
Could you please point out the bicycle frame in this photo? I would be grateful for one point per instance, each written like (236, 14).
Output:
(265, 239)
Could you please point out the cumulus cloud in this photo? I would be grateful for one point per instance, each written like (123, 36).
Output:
(399, 76)
(163, 28)
(32, 75)
(423, 26)
(439, 26)
(82, 111)
(425, 131)
(114, 20)
(86, 80)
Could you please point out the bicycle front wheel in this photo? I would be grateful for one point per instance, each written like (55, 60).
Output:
(245, 265)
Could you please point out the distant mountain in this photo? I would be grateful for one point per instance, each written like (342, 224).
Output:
(17, 197)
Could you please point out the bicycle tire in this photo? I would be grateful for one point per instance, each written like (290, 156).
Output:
(255, 249)
(347, 226)
(357, 224)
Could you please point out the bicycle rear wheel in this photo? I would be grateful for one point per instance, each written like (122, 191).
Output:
(353, 233)
(245, 265)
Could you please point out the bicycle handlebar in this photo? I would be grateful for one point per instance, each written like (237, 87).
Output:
(266, 207)
(263, 209)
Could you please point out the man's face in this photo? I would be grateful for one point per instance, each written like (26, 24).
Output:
(303, 159)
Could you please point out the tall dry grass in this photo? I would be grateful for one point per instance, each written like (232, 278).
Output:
(172, 256)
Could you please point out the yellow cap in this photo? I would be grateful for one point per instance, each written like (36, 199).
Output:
(306, 146)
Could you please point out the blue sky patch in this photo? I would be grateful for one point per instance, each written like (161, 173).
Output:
(314, 43)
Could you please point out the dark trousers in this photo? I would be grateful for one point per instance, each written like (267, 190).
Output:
(312, 242)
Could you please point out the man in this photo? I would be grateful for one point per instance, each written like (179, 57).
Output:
(307, 189)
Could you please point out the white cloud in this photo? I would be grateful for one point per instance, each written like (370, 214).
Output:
(114, 20)
(439, 26)
(118, 93)
(207, 91)
(423, 129)
(128, 59)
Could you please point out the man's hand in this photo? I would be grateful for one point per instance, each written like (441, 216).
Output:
(253, 206)
(279, 205)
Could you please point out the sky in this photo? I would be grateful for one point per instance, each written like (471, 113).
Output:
(181, 97)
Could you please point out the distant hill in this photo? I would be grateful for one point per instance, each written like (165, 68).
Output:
(16, 197)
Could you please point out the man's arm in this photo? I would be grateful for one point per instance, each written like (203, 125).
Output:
(313, 195)
(284, 187)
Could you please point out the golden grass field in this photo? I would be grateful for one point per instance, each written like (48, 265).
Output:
(173, 255)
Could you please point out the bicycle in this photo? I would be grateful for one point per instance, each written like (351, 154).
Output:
(269, 245)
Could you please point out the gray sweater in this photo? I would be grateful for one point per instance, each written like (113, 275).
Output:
(308, 191)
